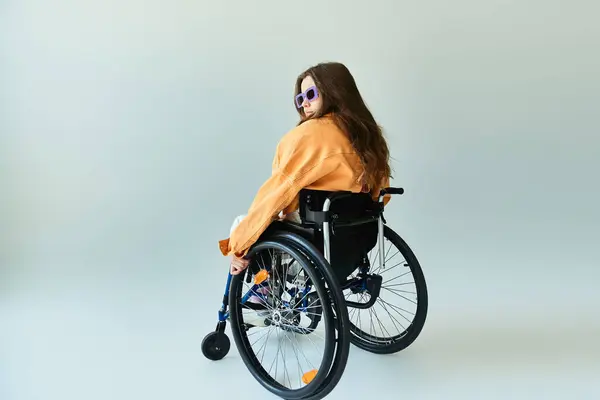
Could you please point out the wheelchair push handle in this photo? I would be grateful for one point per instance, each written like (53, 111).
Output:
(391, 190)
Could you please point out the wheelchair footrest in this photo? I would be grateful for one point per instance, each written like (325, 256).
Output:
(372, 285)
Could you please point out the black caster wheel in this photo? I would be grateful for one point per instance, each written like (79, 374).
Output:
(215, 345)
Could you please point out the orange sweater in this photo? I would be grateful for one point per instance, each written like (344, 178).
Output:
(314, 155)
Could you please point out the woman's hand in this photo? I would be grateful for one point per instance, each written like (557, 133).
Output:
(238, 265)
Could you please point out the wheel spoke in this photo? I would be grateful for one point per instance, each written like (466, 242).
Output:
(289, 308)
(388, 322)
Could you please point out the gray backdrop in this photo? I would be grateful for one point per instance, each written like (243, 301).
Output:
(133, 132)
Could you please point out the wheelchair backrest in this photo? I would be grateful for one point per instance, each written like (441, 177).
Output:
(349, 243)
(350, 207)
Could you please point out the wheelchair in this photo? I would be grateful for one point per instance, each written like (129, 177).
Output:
(315, 281)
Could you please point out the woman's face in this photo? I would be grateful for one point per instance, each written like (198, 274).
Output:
(309, 99)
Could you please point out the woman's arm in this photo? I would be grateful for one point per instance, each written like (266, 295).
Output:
(300, 164)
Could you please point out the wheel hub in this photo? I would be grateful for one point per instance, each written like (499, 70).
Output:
(276, 318)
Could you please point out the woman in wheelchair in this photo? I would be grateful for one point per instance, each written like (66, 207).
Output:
(301, 257)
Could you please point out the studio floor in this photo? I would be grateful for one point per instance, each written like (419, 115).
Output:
(129, 335)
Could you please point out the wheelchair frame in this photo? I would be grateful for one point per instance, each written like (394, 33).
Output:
(323, 222)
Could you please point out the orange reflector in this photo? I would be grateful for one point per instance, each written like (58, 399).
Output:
(309, 376)
(261, 276)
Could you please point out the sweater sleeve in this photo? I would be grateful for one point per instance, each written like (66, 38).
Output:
(301, 164)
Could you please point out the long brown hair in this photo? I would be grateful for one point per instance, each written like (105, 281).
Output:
(341, 98)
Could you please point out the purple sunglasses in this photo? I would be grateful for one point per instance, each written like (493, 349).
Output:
(310, 94)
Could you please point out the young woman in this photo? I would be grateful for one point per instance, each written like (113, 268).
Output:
(336, 146)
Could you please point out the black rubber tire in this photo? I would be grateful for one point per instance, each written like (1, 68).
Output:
(342, 321)
(215, 346)
(367, 342)
(241, 339)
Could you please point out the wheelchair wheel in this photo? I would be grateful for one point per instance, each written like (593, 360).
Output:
(284, 322)
(387, 307)
(215, 345)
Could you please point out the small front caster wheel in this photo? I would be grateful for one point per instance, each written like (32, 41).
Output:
(215, 345)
